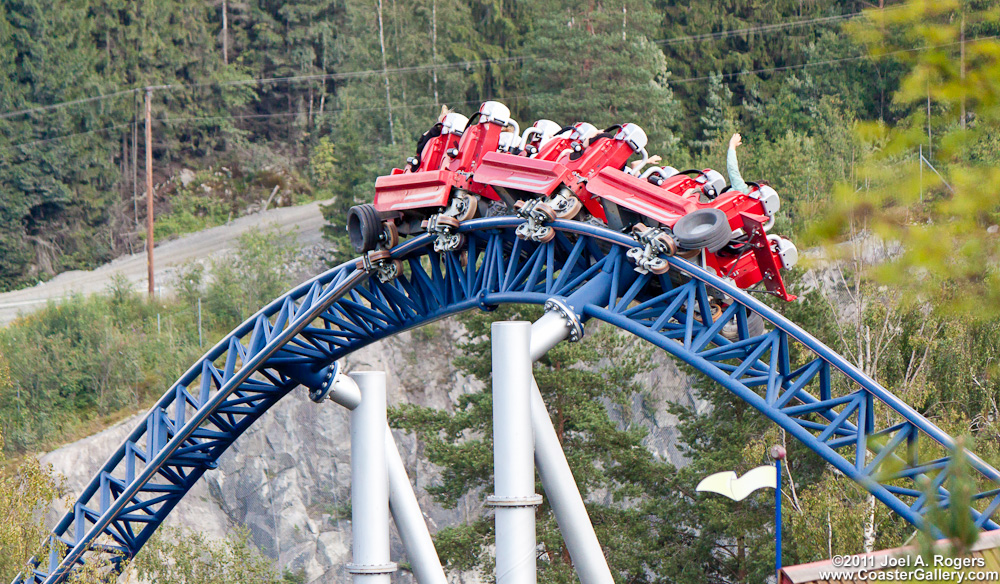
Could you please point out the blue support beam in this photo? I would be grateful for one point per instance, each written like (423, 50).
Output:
(847, 418)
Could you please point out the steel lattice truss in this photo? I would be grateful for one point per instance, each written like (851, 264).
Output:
(857, 426)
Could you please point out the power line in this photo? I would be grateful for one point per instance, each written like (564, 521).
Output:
(772, 27)
(761, 28)
(67, 136)
(350, 74)
(527, 96)
(43, 108)
(411, 69)
(347, 109)
(511, 97)
(830, 61)
(168, 121)
(269, 80)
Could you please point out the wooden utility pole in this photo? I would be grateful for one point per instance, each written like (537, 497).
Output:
(385, 72)
(624, 22)
(225, 33)
(961, 71)
(434, 49)
(149, 190)
(930, 139)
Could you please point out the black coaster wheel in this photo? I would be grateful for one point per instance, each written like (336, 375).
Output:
(703, 228)
(546, 211)
(570, 210)
(467, 207)
(755, 327)
(390, 235)
(448, 221)
(548, 235)
(364, 226)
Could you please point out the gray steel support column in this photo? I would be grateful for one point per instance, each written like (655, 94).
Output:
(370, 483)
(553, 468)
(345, 392)
(513, 461)
(409, 520)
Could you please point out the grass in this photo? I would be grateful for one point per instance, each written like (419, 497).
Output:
(218, 195)
(72, 369)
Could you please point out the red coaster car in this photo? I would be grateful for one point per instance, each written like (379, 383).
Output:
(577, 172)
(566, 140)
(538, 136)
(727, 228)
(432, 146)
(405, 199)
(560, 181)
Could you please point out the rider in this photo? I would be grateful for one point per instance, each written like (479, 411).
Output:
(733, 166)
(426, 137)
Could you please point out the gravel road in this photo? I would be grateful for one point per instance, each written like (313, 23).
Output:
(306, 220)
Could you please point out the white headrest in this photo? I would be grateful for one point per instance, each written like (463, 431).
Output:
(494, 111)
(507, 141)
(664, 172)
(769, 199)
(584, 130)
(546, 128)
(633, 135)
(787, 251)
(454, 123)
(714, 180)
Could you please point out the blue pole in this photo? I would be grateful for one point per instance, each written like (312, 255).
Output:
(777, 519)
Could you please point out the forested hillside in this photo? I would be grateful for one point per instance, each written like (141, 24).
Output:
(319, 96)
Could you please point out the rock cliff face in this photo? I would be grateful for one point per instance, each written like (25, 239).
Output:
(288, 478)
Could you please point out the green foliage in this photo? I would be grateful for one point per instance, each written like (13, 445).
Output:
(752, 58)
(175, 556)
(77, 364)
(719, 118)
(625, 74)
(216, 196)
(245, 282)
(190, 281)
(51, 191)
(954, 522)
(802, 165)
(949, 95)
(72, 362)
(191, 211)
(838, 129)
(26, 491)
(323, 162)
(722, 540)
(66, 200)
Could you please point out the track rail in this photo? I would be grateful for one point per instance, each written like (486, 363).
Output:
(850, 420)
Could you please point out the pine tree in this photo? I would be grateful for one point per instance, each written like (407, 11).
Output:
(738, 39)
(723, 540)
(718, 121)
(584, 66)
(584, 385)
(53, 190)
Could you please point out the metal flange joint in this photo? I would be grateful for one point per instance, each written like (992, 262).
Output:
(569, 315)
(498, 501)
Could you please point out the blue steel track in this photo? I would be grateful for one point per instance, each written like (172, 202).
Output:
(799, 383)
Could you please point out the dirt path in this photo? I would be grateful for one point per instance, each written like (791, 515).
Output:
(307, 220)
